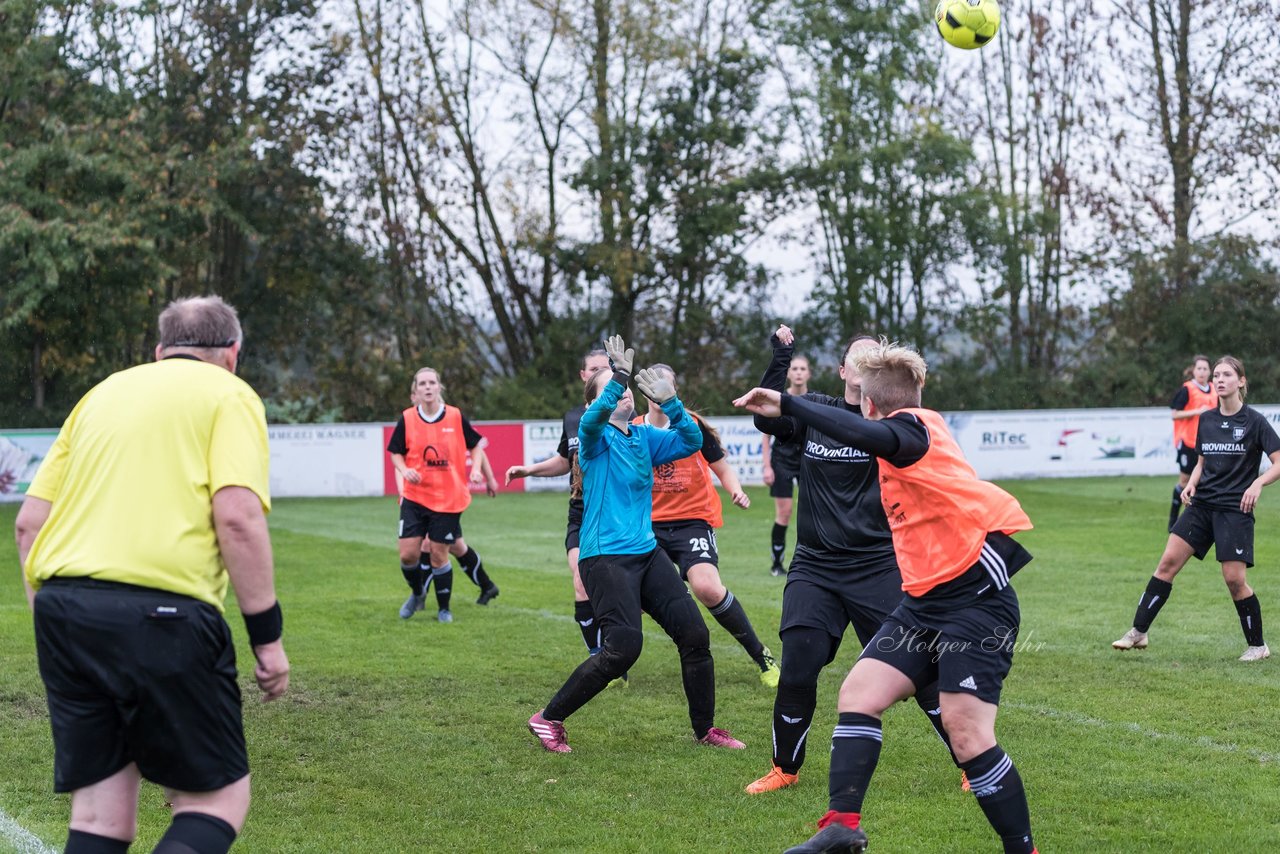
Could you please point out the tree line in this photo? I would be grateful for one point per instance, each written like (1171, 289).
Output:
(489, 186)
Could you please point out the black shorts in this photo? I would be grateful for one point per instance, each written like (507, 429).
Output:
(784, 481)
(418, 521)
(961, 634)
(1230, 530)
(138, 675)
(621, 587)
(574, 526)
(687, 543)
(1187, 456)
(829, 599)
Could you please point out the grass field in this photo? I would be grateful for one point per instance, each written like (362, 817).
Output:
(402, 736)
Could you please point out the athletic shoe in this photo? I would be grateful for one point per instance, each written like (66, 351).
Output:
(773, 781)
(413, 605)
(550, 733)
(1256, 653)
(777, 570)
(1133, 639)
(488, 594)
(717, 737)
(835, 838)
(622, 681)
(769, 672)
(444, 615)
(964, 783)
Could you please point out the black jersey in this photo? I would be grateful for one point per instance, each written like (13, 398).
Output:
(568, 449)
(1231, 448)
(840, 522)
(785, 455)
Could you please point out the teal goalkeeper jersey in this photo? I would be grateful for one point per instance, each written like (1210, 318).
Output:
(617, 473)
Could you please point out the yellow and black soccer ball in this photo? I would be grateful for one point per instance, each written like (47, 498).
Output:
(967, 24)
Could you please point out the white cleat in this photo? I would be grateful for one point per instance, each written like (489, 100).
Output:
(1256, 653)
(1133, 639)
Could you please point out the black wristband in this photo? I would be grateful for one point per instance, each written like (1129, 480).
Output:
(265, 627)
(621, 377)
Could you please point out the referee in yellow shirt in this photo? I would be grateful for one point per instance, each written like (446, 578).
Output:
(153, 496)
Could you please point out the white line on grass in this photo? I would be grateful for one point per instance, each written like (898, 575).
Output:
(1203, 742)
(23, 840)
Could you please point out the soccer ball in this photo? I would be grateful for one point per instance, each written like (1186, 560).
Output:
(967, 23)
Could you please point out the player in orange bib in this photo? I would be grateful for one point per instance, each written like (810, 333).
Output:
(686, 512)
(1195, 397)
(958, 623)
(429, 449)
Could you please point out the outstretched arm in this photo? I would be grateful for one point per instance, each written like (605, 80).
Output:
(553, 466)
(874, 437)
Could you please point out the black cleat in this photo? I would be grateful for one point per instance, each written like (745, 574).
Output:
(488, 594)
(833, 839)
(777, 570)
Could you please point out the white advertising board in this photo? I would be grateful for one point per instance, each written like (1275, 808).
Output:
(541, 441)
(326, 459)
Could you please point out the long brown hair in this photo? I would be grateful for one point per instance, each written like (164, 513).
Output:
(1238, 366)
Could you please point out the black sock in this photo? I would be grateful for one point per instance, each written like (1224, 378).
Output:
(855, 750)
(586, 620)
(927, 700)
(779, 544)
(730, 615)
(1153, 599)
(443, 578)
(792, 716)
(1250, 619)
(414, 577)
(474, 568)
(998, 788)
(79, 842)
(424, 570)
(1176, 506)
(196, 833)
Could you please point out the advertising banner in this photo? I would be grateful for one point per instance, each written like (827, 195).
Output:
(326, 459)
(351, 459)
(20, 454)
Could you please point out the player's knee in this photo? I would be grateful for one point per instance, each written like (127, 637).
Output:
(706, 586)
(969, 738)
(692, 633)
(1238, 588)
(620, 651)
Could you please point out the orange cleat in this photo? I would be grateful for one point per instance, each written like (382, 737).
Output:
(771, 782)
(964, 782)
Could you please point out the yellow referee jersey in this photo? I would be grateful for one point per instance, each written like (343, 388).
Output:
(132, 475)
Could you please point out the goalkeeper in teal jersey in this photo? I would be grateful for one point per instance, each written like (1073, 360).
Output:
(622, 568)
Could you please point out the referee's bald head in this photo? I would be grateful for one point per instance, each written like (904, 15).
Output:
(206, 326)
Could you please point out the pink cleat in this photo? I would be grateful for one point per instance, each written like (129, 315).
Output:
(550, 733)
(717, 737)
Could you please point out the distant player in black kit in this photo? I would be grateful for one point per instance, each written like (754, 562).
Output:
(782, 467)
(595, 361)
(1220, 497)
(843, 570)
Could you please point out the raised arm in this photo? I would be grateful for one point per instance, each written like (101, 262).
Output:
(591, 427)
(775, 378)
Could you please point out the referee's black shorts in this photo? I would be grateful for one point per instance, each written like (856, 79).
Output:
(138, 675)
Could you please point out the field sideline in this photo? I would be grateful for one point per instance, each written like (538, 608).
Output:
(402, 736)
